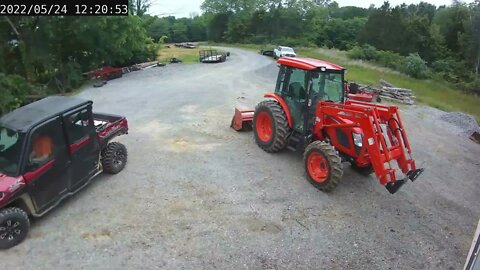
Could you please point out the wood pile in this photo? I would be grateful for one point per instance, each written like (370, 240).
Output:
(395, 94)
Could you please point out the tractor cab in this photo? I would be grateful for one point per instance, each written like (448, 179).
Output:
(302, 83)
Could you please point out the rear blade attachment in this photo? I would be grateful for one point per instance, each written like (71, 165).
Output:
(242, 120)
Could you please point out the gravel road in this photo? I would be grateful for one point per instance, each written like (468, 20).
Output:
(198, 195)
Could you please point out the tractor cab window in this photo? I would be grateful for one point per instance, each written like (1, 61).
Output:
(11, 143)
(327, 87)
(295, 95)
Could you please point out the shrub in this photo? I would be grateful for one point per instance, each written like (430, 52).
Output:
(366, 52)
(72, 76)
(356, 53)
(415, 66)
(370, 52)
(390, 59)
(14, 91)
(472, 86)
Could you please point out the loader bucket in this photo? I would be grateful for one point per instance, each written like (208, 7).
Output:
(242, 120)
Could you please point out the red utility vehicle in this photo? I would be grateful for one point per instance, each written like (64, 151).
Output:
(308, 113)
(107, 73)
(49, 150)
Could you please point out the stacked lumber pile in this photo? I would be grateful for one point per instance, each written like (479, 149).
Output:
(394, 94)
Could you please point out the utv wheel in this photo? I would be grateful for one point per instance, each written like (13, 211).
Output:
(270, 126)
(14, 226)
(114, 158)
(323, 166)
(365, 171)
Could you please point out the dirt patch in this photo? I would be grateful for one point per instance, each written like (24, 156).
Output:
(98, 236)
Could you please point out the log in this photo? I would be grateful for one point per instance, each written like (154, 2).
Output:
(385, 83)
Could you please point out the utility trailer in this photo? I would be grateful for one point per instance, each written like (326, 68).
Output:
(212, 56)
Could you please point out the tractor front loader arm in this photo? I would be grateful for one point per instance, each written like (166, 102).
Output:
(384, 138)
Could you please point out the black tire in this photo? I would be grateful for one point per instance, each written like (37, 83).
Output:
(333, 163)
(279, 126)
(14, 227)
(365, 171)
(114, 158)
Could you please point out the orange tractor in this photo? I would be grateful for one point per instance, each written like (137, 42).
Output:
(308, 112)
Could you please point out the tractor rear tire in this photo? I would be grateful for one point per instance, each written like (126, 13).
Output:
(114, 158)
(270, 126)
(14, 227)
(323, 166)
(365, 171)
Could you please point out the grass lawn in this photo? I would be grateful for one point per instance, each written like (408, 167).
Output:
(188, 56)
(437, 94)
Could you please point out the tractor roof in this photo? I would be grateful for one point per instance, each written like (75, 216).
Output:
(26, 117)
(308, 63)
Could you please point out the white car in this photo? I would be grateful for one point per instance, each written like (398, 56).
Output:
(282, 51)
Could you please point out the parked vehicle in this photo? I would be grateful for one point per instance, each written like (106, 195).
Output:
(49, 150)
(212, 56)
(282, 51)
(267, 53)
(106, 73)
(308, 113)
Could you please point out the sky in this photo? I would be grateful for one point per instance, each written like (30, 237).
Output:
(183, 8)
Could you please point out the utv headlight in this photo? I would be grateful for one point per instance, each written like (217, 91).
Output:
(358, 139)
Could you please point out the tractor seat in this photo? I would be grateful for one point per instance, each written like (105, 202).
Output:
(297, 91)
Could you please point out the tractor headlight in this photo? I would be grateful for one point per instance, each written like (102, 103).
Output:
(357, 139)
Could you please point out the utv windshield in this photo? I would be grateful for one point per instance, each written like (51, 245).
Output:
(327, 87)
(10, 150)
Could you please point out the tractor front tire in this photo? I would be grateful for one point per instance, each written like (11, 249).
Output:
(114, 158)
(270, 126)
(14, 227)
(323, 166)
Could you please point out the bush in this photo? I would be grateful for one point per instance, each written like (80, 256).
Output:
(414, 66)
(390, 59)
(366, 52)
(370, 53)
(71, 77)
(356, 53)
(471, 86)
(14, 92)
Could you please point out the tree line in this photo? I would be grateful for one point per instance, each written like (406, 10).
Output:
(48, 55)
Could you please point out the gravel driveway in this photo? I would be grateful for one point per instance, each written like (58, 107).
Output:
(198, 195)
